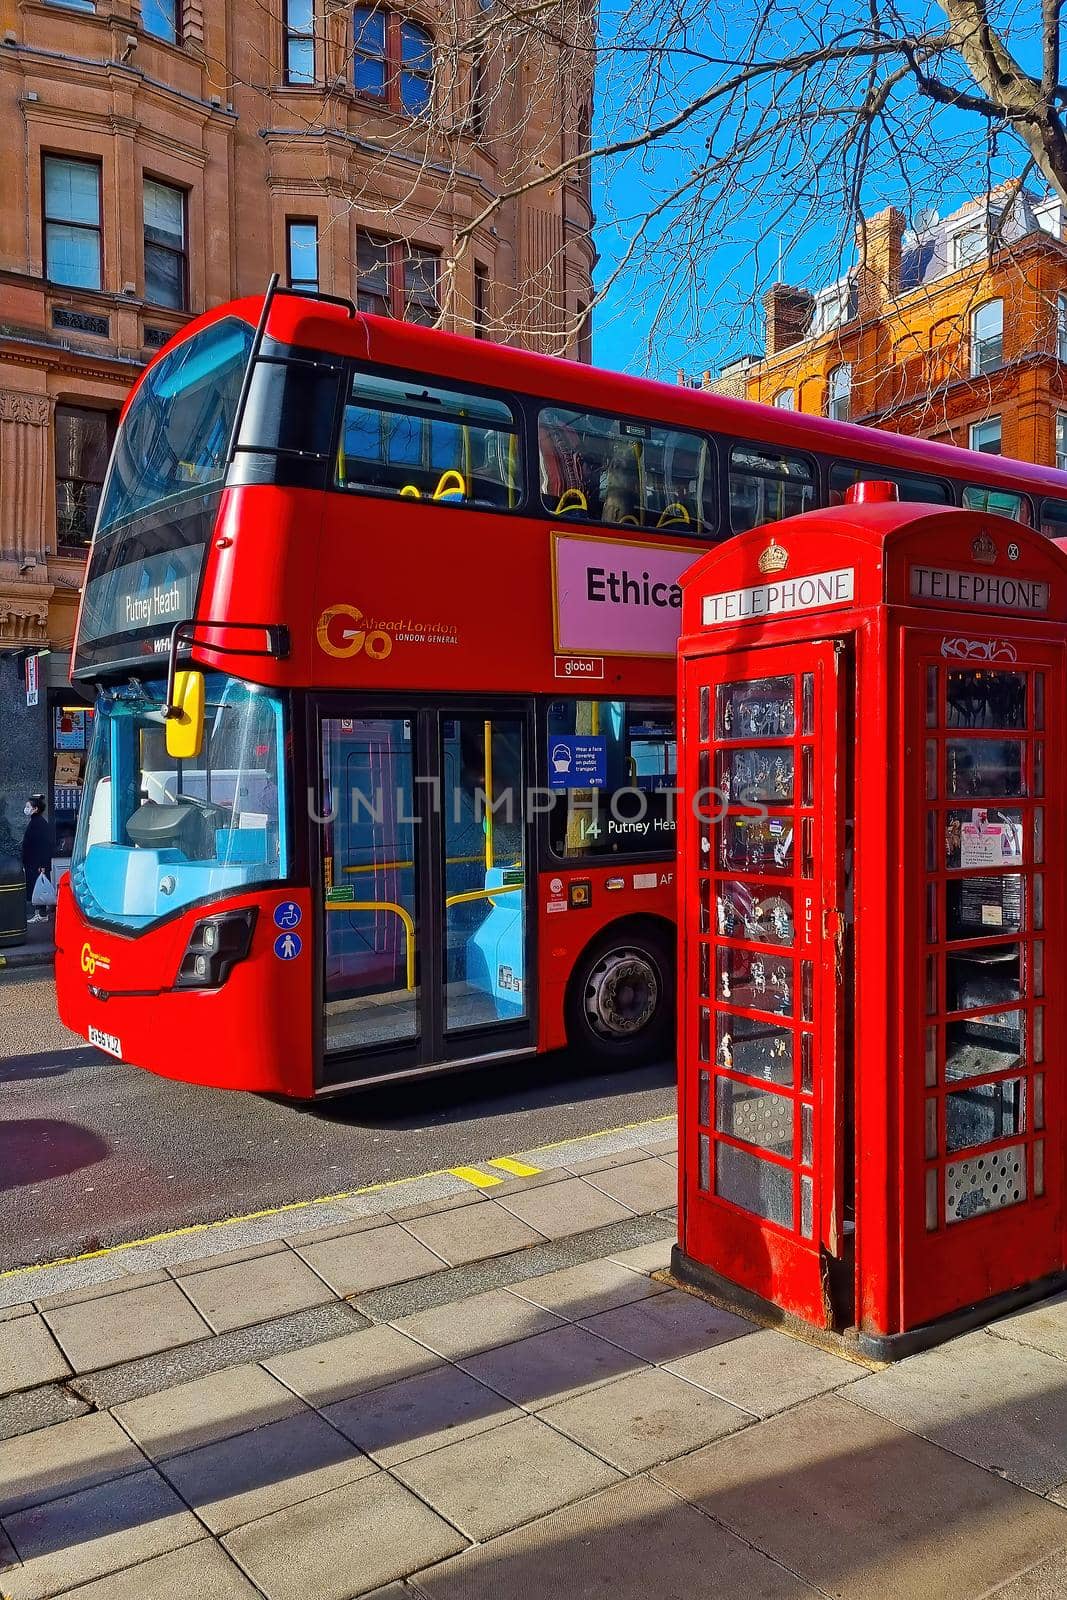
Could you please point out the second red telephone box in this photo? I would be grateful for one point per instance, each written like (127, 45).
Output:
(872, 909)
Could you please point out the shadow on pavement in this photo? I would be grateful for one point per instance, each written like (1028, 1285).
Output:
(35, 1149)
(47, 1064)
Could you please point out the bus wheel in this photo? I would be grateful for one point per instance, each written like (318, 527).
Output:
(620, 1006)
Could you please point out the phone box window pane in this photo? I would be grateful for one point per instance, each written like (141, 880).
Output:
(705, 972)
(984, 905)
(757, 844)
(807, 1135)
(705, 905)
(983, 1113)
(807, 1206)
(704, 1147)
(750, 776)
(983, 836)
(931, 1200)
(760, 708)
(807, 1069)
(931, 1057)
(991, 976)
(931, 697)
(975, 697)
(758, 1049)
(807, 693)
(704, 1102)
(756, 1186)
(931, 769)
(762, 913)
(755, 1116)
(984, 767)
(759, 982)
(982, 1045)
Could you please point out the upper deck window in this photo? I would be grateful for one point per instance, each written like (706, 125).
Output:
(445, 445)
(1001, 502)
(174, 437)
(910, 485)
(616, 469)
(766, 485)
(1054, 519)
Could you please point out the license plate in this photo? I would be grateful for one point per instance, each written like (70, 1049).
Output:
(106, 1041)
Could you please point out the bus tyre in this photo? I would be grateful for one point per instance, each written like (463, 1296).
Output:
(620, 1005)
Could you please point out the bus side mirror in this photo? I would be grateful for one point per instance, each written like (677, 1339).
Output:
(185, 723)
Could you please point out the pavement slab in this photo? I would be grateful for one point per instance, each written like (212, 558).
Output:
(863, 1509)
(1046, 1581)
(551, 1366)
(96, 1291)
(465, 1327)
(582, 1291)
(205, 1411)
(351, 1365)
(631, 1541)
(195, 1572)
(642, 1185)
(494, 1482)
(355, 1263)
(101, 1530)
(473, 1233)
(228, 1258)
(766, 1371)
(570, 1206)
(647, 1258)
(60, 1460)
(420, 1414)
(113, 1328)
(1043, 1326)
(238, 1480)
(29, 1355)
(31, 1409)
(668, 1326)
(344, 1543)
(251, 1291)
(998, 1403)
(648, 1417)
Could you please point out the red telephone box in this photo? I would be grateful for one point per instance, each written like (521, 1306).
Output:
(871, 1028)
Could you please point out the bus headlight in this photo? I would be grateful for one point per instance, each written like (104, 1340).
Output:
(215, 945)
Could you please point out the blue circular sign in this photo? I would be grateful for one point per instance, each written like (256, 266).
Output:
(287, 946)
(288, 915)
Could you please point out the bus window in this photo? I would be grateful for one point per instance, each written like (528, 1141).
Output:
(1054, 519)
(609, 469)
(766, 486)
(977, 497)
(910, 485)
(612, 768)
(439, 444)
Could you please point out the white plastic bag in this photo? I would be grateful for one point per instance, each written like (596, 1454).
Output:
(44, 896)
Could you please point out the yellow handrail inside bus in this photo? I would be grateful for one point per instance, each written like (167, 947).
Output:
(386, 905)
(571, 500)
(482, 894)
(411, 491)
(673, 514)
(449, 485)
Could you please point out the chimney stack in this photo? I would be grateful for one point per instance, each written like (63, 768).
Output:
(878, 246)
(787, 313)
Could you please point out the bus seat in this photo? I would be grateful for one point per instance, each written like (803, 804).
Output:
(451, 486)
(411, 491)
(570, 500)
(674, 515)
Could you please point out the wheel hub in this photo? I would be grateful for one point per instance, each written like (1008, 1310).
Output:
(622, 993)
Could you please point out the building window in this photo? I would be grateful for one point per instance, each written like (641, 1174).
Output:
(479, 97)
(481, 301)
(72, 247)
(302, 254)
(987, 337)
(299, 41)
(986, 436)
(83, 444)
(786, 400)
(165, 275)
(396, 279)
(74, 5)
(392, 59)
(1061, 327)
(839, 392)
(1061, 440)
(966, 247)
(161, 19)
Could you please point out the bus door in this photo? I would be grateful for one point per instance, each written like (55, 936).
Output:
(423, 843)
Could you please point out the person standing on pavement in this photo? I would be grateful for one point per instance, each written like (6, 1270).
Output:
(36, 847)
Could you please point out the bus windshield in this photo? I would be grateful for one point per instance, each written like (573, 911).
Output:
(156, 833)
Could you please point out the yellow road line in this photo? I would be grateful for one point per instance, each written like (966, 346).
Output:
(518, 1169)
(486, 1181)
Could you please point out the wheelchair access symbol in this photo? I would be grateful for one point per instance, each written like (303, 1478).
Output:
(288, 946)
(287, 915)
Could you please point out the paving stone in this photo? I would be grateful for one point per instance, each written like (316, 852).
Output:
(551, 1366)
(23, 1309)
(766, 1371)
(473, 1233)
(648, 1417)
(96, 1291)
(490, 1484)
(66, 1542)
(436, 1208)
(29, 1356)
(995, 1402)
(120, 1327)
(362, 1261)
(631, 1541)
(31, 1409)
(642, 1185)
(8, 1555)
(420, 1414)
(344, 1227)
(61, 1460)
(578, 1292)
(614, 1158)
(343, 1543)
(668, 1326)
(480, 1323)
(226, 1258)
(355, 1364)
(1044, 1326)
(255, 1474)
(195, 1572)
(1046, 1581)
(253, 1291)
(655, 1257)
(213, 1408)
(863, 1509)
(152, 1373)
(571, 1206)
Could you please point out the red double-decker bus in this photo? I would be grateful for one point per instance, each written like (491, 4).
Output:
(382, 624)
